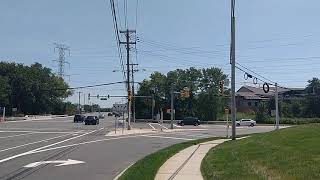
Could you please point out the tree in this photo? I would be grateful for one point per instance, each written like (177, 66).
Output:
(32, 89)
(262, 112)
(204, 100)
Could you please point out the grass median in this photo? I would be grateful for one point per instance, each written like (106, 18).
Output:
(292, 153)
(147, 168)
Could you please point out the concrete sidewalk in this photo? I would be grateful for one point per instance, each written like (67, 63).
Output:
(186, 164)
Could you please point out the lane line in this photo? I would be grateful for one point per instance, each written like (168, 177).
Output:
(37, 149)
(16, 135)
(88, 142)
(45, 140)
(44, 132)
(165, 137)
(151, 126)
(177, 125)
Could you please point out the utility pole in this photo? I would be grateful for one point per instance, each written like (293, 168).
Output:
(79, 105)
(277, 106)
(128, 43)
(133, 93)
(233, 71)
(61, 60)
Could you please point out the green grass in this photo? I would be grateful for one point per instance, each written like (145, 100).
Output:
(292, 153)
(147, 168)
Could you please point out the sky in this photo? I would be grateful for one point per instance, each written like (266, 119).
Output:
(279, 40)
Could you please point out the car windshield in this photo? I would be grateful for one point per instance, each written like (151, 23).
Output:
(90, 117)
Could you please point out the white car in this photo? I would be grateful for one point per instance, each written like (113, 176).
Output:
(246, 122)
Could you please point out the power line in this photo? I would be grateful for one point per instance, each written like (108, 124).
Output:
(255, 73)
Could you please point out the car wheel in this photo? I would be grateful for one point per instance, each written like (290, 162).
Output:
(182, 124)
(238, 124)
(251, 124)
(196, 124)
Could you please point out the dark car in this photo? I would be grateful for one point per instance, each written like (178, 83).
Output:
(189, 121)
(94, 120)
(110, 114)
(79, 118)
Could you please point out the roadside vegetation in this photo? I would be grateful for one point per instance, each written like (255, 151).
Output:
(147, 168)
(292, 153)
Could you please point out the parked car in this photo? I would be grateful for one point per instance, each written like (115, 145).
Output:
(94, 120)
(246, 122)
(78, 118)
(189, 121)
(110, 114)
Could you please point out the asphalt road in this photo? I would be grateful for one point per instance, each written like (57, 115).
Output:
(57, 143)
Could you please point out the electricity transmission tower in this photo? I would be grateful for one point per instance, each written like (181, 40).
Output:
(61, 48)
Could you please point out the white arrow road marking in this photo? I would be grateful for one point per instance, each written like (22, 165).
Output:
(58, 162)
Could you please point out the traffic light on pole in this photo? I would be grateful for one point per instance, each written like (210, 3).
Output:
(221, 87)
(89, 96)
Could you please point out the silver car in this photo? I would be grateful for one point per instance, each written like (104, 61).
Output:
(246, 122)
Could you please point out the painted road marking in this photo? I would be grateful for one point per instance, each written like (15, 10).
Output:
(166, 137)
(45, 140)
(162, 126)
(17, 135)
(35, 150)
(58, 162)
(176, 125)
(43, 132)
(151, 126)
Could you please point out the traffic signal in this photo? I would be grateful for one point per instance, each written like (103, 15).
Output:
(185, 92)
(98, 96)
(89, 96)
(108, 96)
(221, 87)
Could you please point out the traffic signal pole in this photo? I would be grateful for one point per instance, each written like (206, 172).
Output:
(172, 96)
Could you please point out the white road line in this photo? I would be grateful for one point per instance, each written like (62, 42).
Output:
(194, 135)
(35, 150)
(166, 137)
(44, 132)
(45, 140)
(162, 126)
(88, 142)
(16, 135)
(176, 125)
(151, 126)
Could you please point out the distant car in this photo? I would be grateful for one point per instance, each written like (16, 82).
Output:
(246, 122)
(101, 116)
(94, 120)
(78, 118)
(116, 114)
(189, 121)
(110, 114)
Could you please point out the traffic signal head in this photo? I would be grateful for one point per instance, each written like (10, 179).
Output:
(221, 87)
(89, 96)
